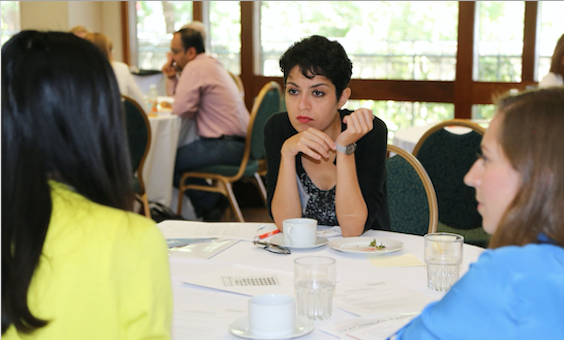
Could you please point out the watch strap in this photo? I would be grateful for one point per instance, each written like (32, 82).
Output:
(347, 150)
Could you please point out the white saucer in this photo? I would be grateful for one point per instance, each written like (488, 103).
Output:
(279, 241)
(240, 328)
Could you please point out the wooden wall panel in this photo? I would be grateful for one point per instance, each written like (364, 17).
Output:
(529, 40)
(464, 60)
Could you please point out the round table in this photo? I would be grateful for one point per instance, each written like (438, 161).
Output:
(351, 268)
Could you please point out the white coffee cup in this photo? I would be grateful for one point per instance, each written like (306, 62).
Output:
(300, 232)
(272, 315)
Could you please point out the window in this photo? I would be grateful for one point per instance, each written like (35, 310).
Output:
(401, 115)
(500, 40)
(158, 20)
(551, 29)
(483, 112)
(385, 40)
(10, 19)
(225, 32)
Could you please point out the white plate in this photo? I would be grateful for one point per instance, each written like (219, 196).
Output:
(360, 245)
(279, 241)
(240, 328)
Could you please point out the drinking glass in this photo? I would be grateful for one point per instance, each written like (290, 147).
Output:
(443, 256)
(314, 282)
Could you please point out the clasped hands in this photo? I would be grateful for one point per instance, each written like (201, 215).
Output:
(316, 144)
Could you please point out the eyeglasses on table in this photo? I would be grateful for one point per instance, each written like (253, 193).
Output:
(273, 248)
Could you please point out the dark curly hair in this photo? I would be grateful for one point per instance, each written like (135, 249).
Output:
(317, 55)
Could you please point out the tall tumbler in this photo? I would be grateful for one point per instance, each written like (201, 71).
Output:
(314, 282)
(443, 256)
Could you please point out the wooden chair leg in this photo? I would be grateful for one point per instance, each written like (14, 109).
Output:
(180, 197)
(234, 203)
(261, 186)
(145, 201)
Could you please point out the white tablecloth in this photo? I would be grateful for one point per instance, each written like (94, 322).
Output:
(168, 132)
(351, 268)
(159, 164)
(408, 138)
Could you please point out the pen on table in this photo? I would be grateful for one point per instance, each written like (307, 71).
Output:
(270, 233)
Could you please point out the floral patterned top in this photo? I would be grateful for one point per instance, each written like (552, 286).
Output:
(320, 204)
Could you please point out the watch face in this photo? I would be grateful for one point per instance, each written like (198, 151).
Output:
(350, 148)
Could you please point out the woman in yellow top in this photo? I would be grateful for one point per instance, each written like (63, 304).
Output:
(76, 263)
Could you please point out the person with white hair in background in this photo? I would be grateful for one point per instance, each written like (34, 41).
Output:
(556, 75)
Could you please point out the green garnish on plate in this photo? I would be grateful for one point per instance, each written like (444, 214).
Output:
(373, 244)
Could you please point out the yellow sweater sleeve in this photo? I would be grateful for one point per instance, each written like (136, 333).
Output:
(147, 302)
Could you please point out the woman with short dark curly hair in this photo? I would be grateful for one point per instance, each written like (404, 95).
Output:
(323, 162)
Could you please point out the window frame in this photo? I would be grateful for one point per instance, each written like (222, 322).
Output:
(463, 92)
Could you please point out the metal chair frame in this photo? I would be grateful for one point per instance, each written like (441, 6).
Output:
(441, 125)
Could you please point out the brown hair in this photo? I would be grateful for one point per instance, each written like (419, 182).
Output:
(532, 138)
(556, 65)
(103, 43)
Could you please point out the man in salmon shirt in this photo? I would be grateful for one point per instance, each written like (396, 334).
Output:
(204, 90)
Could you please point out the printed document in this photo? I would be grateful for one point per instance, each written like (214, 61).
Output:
(379, 298)
(368, 328)
(247, 280)
(196, 322)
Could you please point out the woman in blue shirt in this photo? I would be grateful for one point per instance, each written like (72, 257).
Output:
(516, 289)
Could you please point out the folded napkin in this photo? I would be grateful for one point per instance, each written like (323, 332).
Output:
(330, 232)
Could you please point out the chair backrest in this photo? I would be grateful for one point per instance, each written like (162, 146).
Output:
(447, 157)
(138, 135)
(411, 196)
(266, 104)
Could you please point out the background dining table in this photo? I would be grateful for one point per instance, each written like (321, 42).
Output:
(351, 268)
(168, 131)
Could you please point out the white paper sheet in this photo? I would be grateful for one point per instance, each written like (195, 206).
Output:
(202, 250)
(196, 322)
(190, 229)
(368, 328)
(247, 280)
(379, 298)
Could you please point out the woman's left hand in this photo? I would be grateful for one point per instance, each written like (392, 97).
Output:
(359, 123)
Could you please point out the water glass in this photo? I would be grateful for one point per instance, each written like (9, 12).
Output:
(443, 256)
(314, 282)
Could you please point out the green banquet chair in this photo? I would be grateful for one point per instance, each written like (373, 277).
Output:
(447, 157)
(139, 141)
(411, 196)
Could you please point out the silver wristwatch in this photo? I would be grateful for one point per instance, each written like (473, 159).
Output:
(347, 150)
